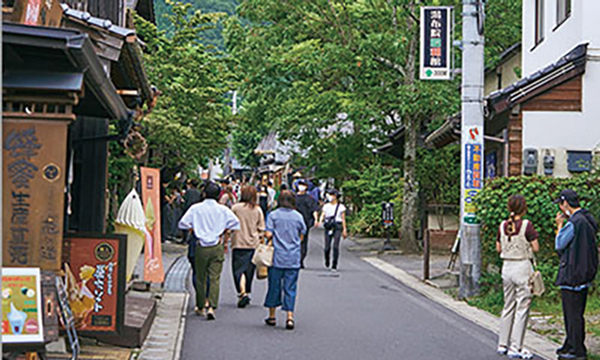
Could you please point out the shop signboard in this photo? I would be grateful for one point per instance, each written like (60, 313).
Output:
(21, 306)
(153, 264)
(33, 187)
(387, 214)
(95, 281)
(436, 43)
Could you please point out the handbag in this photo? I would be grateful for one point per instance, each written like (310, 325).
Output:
(263, 256)
(262, 272)
(536, 281)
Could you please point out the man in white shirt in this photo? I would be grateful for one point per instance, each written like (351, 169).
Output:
(211, 224)
(272, 193)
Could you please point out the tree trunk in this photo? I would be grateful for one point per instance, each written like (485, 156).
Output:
(410, 210)
(410, 207)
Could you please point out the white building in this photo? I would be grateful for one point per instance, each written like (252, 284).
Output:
(551, 29)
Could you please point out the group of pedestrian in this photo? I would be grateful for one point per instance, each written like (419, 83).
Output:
(215, 214)
(576, 245)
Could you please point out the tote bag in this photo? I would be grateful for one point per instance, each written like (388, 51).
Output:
(263, 256)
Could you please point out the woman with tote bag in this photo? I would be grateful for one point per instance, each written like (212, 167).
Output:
(517, 241)
(245, 242)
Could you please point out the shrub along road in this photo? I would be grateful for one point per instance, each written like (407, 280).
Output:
(360, 314)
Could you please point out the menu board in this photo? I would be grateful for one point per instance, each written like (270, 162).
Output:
(21, 310)
(95, 281)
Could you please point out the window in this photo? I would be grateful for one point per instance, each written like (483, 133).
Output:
(563, 11)
(539, 21)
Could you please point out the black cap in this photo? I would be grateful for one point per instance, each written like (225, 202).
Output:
(333, 192)
(302, 182)
(568, 195)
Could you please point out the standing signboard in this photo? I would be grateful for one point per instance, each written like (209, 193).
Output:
(33, 185)
(436, 43)
(21, 306)
(387, 214)
(95, 281)
(153, 264)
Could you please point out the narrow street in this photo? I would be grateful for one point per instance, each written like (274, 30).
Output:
(360, 314)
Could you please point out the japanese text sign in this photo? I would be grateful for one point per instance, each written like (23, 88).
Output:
(436, 42)
(21, 306)
(95, 281)
(474, 170)
(34, 157)
(153, 264)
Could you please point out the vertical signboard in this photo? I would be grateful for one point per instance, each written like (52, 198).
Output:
(21, 306)
(473, 170)
(153, 264)
(95, 281)
(34, 156)
(436, 43)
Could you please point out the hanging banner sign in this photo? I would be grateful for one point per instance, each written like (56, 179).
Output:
(473, 170)
(436, 43)
(153, 265)
(95, 281)
(21, 306)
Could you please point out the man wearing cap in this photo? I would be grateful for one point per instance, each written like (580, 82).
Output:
(576, 244)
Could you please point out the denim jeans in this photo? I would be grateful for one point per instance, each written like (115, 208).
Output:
(282, 281)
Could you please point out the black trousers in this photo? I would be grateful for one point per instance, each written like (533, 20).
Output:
(333, 236)
(574, 303)
(304, 246)
(241, 263)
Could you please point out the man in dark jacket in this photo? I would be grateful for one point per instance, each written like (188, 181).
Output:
(576, 245)
(308, 207)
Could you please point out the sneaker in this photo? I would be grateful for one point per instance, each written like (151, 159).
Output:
(210, 315)
(199, 312)
(523, 354)
(502, 350)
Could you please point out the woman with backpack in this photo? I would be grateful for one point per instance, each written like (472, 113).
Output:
(516, 242)
(333, 219)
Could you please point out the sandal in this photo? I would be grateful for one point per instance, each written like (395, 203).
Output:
(271, 321)
(289, 325)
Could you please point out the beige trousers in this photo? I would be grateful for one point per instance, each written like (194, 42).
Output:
(517, 300)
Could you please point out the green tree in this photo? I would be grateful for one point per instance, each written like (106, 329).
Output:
(192, 120)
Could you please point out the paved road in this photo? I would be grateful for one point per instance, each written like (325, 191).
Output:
(361, 314)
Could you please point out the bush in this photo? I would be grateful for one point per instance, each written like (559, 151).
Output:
(366, 191)
(539, 192)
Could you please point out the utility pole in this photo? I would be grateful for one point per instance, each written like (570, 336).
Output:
(472, 151)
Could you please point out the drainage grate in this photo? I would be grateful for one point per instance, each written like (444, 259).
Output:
(178, 275)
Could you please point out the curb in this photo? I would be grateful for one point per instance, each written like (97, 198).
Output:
(181, 331)
(535, 342)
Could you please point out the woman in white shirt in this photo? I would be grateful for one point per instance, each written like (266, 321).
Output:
(333, 219)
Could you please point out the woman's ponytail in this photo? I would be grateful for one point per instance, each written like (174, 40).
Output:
(517, 205)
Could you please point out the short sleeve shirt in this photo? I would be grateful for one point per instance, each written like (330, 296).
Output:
(286, 225)
(329, 211)
(530, 233)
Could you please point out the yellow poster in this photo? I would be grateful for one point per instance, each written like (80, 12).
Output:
(21, 310)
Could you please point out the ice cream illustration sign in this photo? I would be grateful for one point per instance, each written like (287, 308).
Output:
(21, 311)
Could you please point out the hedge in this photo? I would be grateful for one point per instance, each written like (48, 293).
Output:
(539, 192)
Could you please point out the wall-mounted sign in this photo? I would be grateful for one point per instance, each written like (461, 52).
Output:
(153, 264)
(33, 186)
(95, 281)
(473, 170)
(21, 306)
(436, 43)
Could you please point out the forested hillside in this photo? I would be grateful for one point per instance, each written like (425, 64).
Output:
(212, 37)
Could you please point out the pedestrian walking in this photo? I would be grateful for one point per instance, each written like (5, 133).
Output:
(576, 245)
(211, 223)
(272, 194)
(263, 199)
(244, 243)
(285, 227)
(192, 196)
(516, 242)
(333, 219)
(227, 196)
(308, 207)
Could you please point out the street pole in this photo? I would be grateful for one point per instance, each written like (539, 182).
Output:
(472, 151)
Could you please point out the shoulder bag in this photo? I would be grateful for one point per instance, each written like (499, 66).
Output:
(536, 281)
(330, 221)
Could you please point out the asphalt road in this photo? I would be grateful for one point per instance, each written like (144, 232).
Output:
(360, 314)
